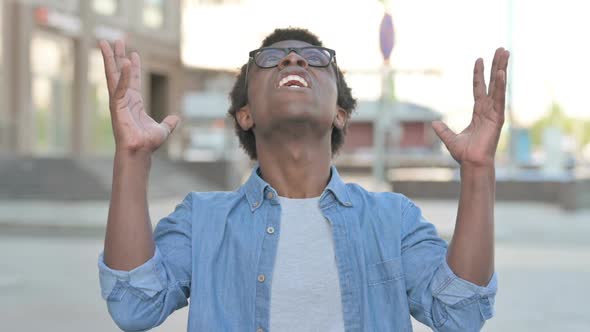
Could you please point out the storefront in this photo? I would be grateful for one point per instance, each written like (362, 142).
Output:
(51, 91)
(56, 100)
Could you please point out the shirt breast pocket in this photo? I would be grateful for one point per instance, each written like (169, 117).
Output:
(387, 295)
(387, 271)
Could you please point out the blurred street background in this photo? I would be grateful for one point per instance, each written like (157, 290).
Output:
(408, 62)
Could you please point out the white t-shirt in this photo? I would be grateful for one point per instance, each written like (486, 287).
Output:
(305, 290)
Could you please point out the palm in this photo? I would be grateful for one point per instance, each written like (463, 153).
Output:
(134, 130)
(476, 145)
(134, 125)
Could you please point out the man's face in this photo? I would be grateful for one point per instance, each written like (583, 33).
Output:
(273, 103)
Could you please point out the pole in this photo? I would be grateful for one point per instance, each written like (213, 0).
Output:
(381, 119)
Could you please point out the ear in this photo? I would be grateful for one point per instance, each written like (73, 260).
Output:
(341, 118)
(244, 118)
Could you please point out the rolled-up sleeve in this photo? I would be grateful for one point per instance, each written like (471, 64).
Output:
(438, 297)
(147, 279)
(144, 297)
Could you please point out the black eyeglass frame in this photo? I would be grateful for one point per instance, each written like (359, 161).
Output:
(288, 51)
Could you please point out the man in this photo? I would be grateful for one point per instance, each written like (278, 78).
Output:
(295, 248)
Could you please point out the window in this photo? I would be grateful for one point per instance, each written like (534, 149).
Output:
(102, 140)
(153, 13)
(105, 7)
(52, 75)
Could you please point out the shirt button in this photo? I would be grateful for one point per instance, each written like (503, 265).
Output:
(270, 230)
(347, 204)
(261, 278)
(255, 204)
(259, 330)
(269, 195)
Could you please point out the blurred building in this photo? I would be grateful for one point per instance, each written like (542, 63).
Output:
(55, 101)
(409, 138)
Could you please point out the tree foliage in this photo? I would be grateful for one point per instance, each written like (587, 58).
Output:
(577, 128)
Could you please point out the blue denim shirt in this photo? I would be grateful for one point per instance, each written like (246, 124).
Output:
(218, 249)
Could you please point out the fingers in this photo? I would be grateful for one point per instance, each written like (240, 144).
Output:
(169, 124)
(498, 79)
(499, 96)
(479, 83)
(445, 134)
(494, 68)
(503, 64)
(500, 63)
(114, 62)
(110, 67)
(124, 79)
(135, 82)
(119, 53)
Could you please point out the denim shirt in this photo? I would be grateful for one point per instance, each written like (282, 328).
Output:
(219, 248)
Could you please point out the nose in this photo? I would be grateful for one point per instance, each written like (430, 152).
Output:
(293, 59)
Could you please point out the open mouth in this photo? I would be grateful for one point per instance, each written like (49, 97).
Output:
(293, 81)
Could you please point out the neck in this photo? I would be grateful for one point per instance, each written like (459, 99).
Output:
(296, 169)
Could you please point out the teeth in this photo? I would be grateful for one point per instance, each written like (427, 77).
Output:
(293, 78)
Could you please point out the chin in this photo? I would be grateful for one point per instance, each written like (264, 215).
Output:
(297, 110)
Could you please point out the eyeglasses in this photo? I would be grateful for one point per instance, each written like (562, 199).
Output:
(269, 57)
(315, 56)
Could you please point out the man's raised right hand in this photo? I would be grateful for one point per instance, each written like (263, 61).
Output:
(134, 130)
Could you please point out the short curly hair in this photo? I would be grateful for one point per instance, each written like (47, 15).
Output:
(239, 94)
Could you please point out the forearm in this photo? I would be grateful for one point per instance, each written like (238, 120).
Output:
(471, 251)
(128, 241)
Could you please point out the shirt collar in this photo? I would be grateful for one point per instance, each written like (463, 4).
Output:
(256, 189)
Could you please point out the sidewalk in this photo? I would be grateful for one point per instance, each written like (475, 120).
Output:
(538, 246)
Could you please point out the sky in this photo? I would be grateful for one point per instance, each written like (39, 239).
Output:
(549, 55)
